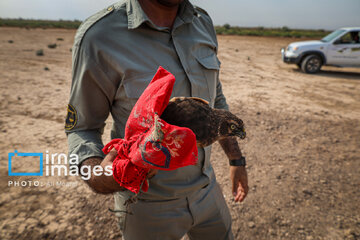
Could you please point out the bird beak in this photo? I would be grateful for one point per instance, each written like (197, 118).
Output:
(242, 134)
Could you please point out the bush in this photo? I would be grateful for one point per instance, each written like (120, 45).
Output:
(227, 26)
(285, 29)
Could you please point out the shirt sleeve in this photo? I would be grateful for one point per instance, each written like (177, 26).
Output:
(220, 100)
(91, 96)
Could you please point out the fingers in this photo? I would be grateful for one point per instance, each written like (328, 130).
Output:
(241, 193)
(238, 176)
(235, 187)
(110, 157)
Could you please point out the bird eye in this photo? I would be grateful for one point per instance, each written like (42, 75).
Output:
(232, 127)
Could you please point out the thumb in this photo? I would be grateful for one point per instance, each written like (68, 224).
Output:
(110, 157)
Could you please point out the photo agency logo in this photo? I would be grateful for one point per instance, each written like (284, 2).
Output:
(49, 164)
(12, 156)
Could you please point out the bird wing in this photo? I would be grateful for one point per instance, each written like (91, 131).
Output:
(193, 98)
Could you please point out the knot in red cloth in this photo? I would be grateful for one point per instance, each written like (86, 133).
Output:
(121, 146)
(126, 173)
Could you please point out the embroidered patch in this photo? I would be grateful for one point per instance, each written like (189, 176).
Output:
(71, 118)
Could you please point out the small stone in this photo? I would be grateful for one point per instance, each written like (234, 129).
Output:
(272, 231)
(251, 224)
(301, 227)
(307, 193)
(284, 223)
(46, 69)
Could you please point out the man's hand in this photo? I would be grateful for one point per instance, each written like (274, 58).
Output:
(109, 158)
(107, 184)
(238, 176)
(103, 184)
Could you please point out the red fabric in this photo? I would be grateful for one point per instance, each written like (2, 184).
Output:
(149, 141)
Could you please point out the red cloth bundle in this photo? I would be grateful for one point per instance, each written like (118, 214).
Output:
(149, 141)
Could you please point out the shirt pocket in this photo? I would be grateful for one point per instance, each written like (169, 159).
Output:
(210, 67)
(135, 85)
(128, 93)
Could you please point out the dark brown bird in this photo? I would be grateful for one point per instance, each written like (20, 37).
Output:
(208, 124)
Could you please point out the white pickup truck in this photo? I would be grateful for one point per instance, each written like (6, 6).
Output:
(340, 48)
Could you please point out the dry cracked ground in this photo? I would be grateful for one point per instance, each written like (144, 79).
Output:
(303, 145)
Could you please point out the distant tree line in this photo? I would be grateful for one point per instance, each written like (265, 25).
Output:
(33, 23)
(284, 31)
(226, 29)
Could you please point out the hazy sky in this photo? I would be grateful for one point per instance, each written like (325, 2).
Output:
(324, 14)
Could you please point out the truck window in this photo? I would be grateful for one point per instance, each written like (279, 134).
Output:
(350, 38)
(333, 35)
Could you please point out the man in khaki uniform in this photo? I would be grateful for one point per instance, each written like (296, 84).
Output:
(115, 55)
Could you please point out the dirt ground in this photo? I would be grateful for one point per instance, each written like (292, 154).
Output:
(303, 145)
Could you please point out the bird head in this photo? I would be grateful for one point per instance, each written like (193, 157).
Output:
(231, 125)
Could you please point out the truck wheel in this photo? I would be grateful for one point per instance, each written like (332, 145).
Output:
(311, 64)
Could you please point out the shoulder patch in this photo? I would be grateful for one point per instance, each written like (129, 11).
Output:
(71, 117)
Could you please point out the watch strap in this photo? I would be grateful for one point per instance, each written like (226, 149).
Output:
(238, 162)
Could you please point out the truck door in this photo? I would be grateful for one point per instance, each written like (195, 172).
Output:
(345, 51)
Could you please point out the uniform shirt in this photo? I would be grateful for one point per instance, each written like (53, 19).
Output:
(115, 55)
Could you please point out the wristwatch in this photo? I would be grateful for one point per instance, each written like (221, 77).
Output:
(238, 162)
